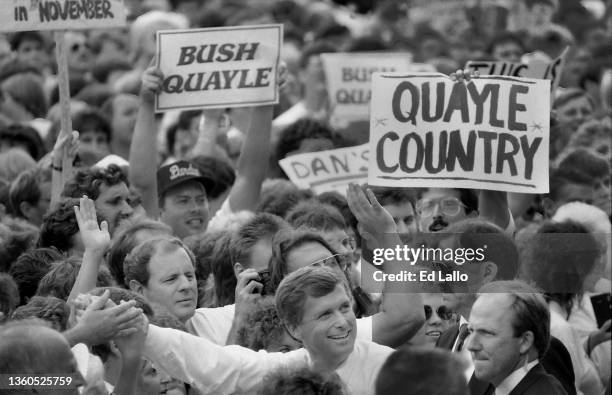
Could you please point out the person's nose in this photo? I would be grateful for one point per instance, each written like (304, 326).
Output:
(341, 321)
(126, 209)
(434, 319)
(185, 284)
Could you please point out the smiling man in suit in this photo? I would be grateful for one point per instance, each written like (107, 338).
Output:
(509, 331)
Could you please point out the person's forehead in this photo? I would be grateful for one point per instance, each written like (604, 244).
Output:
(492, 310)
(314, 306)
(306, 254)
(163, 263)
(439, 193)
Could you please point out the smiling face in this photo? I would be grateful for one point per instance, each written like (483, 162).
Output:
(185, 209)
(496, 351)
(327, 329)
(112, 205)
(172, 283)
(434, 326)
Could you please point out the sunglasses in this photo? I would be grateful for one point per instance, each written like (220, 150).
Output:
(340, 260)
(443, 312)
(449, 206)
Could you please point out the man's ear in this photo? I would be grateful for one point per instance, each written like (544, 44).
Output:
(238, 268)
(294, 332)
(136, 287)
(489, 272)
(526, 342)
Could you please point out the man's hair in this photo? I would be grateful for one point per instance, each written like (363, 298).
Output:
(124, 241)
(212, 256)
(341, 204)
(16, 39)
(95, 95)
(104, 67)
(560, 177)
(571, 94)
(30, 268)
(366, 44)
(426, 371)
(558, 258)
(504, 38)
(261, 327)
(16, 237)
(92, 120)
(530, 310)
(27, 90)
(500, 248)
(26, 188)
(582, 159)
(47, 308)
(136, 264)
(59, 225)
(9, 295)
(262, 226)
(282, 245)
(89, 181)
(296, 287)
(26, 135)
(216, 169)
(60, 279)
(279, 202)
(315, 215)
(302, 381)
(292, 136)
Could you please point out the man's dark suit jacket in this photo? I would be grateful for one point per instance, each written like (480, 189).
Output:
(557, 362)
(536, 382)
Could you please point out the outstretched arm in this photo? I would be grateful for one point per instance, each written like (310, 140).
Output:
(143, 150)
(62, 158)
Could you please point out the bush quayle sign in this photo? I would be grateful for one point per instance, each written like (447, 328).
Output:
(219, 67)
(326, 171)
(489, 133)
(22, 15)
(349, 76)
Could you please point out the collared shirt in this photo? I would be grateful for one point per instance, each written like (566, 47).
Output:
(214, 324)
(506, 386)
(214, 369)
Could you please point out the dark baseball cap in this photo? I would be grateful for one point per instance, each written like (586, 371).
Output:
(177, 173)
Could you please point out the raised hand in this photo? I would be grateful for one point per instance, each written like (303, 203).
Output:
(131, 345)
(95, 238)
(464, 75)
(152, 80)
(374, 220)
(248, 290)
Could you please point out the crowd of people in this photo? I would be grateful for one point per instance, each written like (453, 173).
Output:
(150, 253)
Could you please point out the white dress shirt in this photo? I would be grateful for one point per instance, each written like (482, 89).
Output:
(214, 369)
(506, 386)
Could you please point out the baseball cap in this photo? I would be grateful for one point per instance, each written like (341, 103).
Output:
(177, 173)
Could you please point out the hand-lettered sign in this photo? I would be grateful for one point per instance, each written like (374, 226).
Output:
(330, 170)
(536, 68)
(219, 67)
(22, 15)
(349, 76)
(489, 133)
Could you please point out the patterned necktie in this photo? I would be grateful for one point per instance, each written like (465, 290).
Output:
(463, 334)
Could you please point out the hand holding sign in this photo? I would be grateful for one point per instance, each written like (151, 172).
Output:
(152, 80)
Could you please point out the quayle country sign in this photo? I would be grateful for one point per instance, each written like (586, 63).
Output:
(219, 67)
(22, 15)
(326, 171)
(489, 133)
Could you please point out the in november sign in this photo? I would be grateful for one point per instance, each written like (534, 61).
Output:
(22, 15)
(219, 67)
(429, 131)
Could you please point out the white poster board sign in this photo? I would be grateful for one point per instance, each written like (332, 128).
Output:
(219, 67)
(429, 131)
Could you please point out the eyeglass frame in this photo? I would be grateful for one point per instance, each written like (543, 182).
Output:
(342, 264)
(419, 209)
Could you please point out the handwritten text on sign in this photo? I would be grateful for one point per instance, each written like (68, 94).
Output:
(219, 67)
(489, 133)
(22, 15)
(326, 171)
(349, 76)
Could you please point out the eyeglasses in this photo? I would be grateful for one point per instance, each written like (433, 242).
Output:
(340, 260)
(449, 206)
(443, 312)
